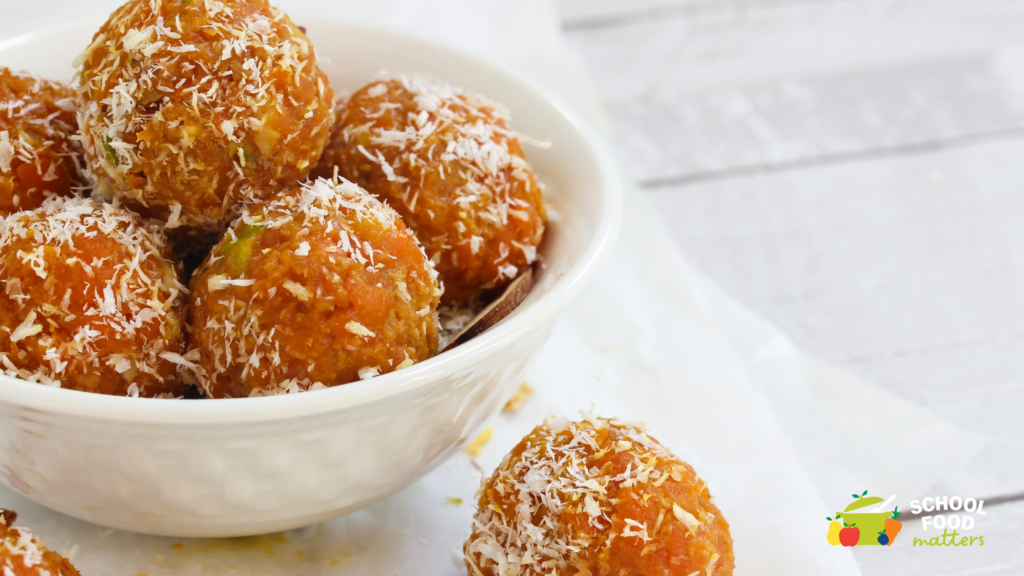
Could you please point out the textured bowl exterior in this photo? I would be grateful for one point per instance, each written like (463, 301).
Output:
(256, 477)
(215, 468)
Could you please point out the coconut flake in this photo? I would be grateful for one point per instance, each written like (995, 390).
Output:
(688, 520)
(6, 152)
(179, 360)
(298, 290)
(174, 219)
(26, 328)
(358, 329)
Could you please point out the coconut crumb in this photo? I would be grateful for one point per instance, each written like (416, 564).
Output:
(519, 398)
(477, 445)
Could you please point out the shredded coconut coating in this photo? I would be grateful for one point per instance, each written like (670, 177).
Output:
(89, 300)
(449, 163)
(22, 554)
(313, 287)
(189, 107)
(38, 157)
(597, 497)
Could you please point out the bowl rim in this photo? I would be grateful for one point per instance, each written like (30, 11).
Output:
(88, 405)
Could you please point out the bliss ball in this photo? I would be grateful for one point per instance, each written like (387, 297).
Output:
(22, 554)
(38, 157)
(597, 497)
(189, 107)
(448, 161)
(316, 286)
(90, 300)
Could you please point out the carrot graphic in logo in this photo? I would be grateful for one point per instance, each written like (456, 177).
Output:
(892, 525)
(833, 529)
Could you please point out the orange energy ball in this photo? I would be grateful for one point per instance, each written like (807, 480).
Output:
(312, 287)
(89, 300)
(22, 554)
(449, 163)
(598, 497)
(38, 159)
(190, 106)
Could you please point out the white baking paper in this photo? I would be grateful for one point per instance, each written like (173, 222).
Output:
(778, 436)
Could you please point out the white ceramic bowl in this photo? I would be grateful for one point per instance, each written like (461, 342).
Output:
(256, 465)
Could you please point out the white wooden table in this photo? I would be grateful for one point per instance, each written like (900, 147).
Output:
(854, 172)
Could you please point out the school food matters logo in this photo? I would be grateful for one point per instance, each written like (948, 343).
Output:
(865, 522)
(956, 521)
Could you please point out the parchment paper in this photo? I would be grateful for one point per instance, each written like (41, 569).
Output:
(781, 439)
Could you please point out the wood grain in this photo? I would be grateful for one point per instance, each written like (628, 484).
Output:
(589, 14)
(499, 309)
(905, 270)
(693, 97)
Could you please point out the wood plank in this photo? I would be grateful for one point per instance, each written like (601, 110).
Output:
(692, 97)
(1003, 552)
(579, 14)
(907, 271)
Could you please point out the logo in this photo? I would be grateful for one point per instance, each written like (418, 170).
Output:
(957, 527)
(865, 523)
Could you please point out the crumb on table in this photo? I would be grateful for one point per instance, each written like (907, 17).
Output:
(516, 401)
